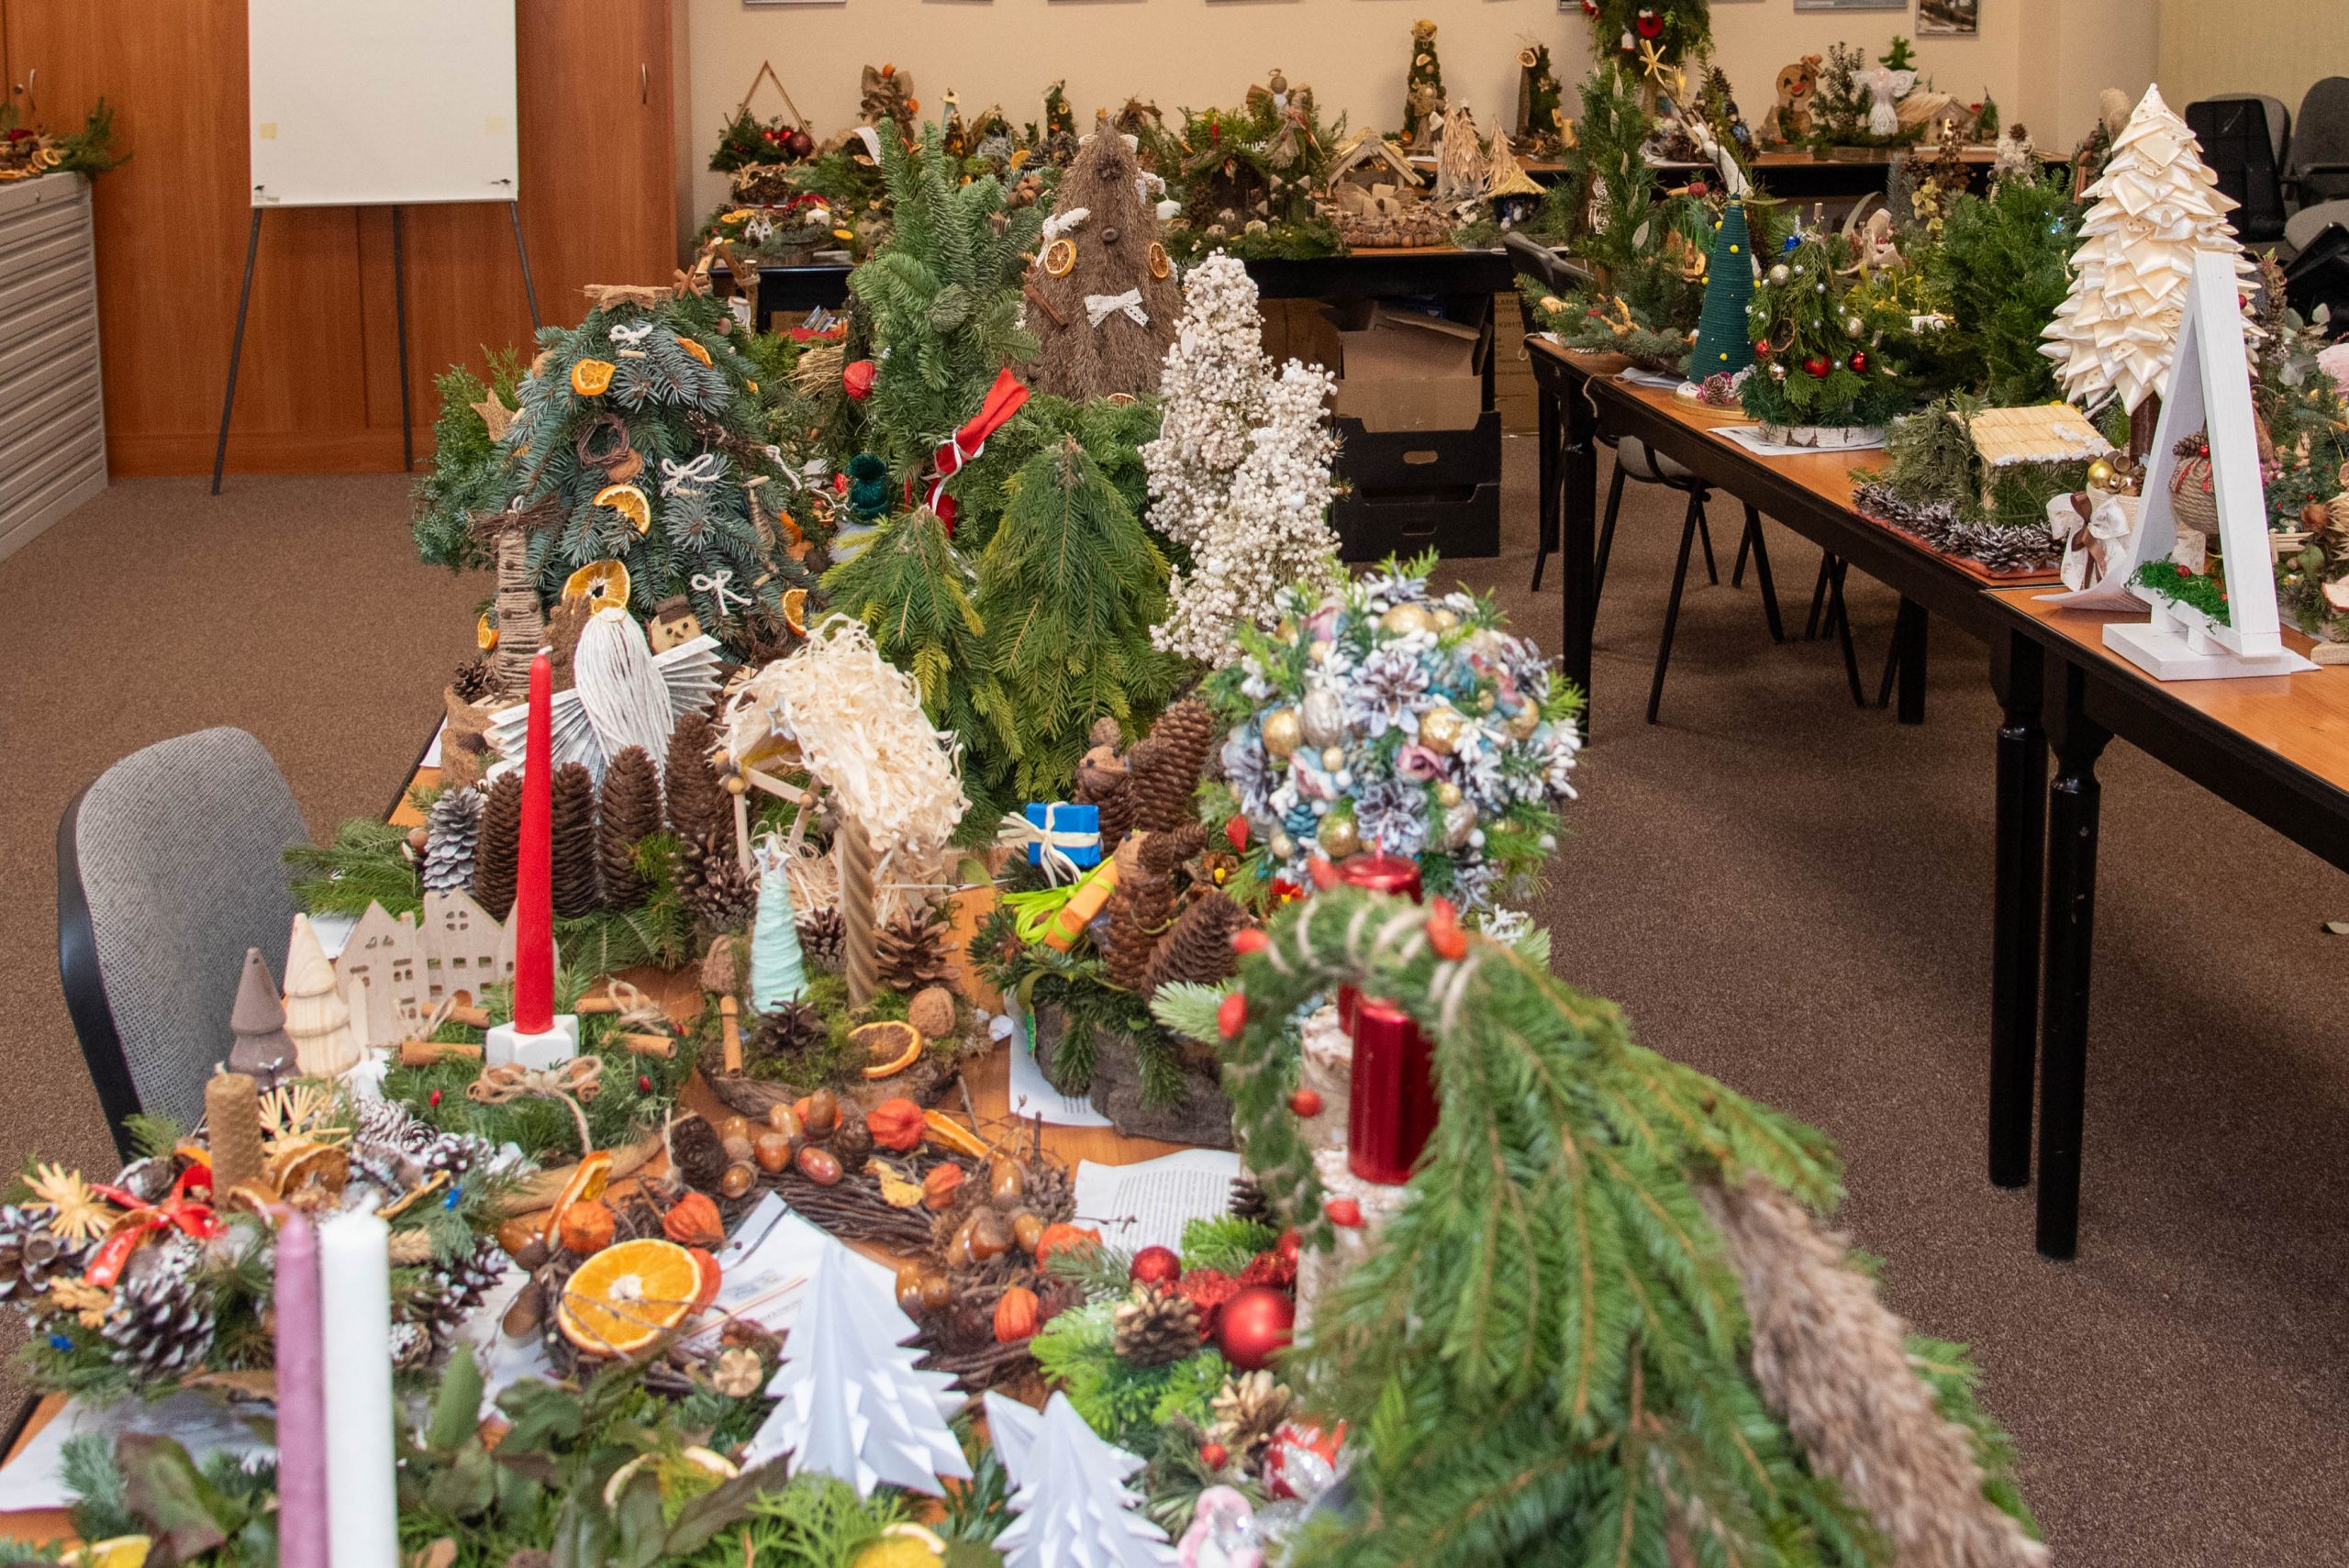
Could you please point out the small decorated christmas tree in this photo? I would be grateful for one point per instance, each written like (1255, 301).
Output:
(854, 1406)
(778, 974)
(1069, 588)
(1069, 1491)
(1102, 297)
(1213, 389)
(1724, 339)
(2156, 205)
(1641, 31)
(1818, 347)
(316, 1017)
(1541, 116)
(1422, 88)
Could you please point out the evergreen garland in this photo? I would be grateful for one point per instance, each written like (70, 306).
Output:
(468, 474)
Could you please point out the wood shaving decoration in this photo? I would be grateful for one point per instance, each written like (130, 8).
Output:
(2046, 432)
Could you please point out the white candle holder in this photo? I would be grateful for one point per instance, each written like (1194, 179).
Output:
(558, 1045)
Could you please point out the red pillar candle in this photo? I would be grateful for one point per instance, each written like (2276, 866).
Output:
(1391, 1108)
(533, 866)
(1380, 873)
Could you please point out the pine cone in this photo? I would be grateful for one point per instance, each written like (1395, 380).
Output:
(720, 896)
(450, 1291)
(1164, 850)
(698, 807)
(1153, 1327)
(628, 814)
(1200, 947)
(1165, 769)
(788, 1030)
(1248, 1409)
(1117, 806)
(497, 844)
(476, 681)
(161, 1324)
(1248, 1201)
(31, 1254)
(823, 939)
(576, 886)
(912, 950)
(698, 1154)
(451, 835)
(1139, 912)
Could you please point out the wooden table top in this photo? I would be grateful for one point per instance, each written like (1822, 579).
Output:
(2302, 719)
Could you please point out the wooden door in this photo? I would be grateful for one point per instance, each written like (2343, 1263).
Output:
(318, 390)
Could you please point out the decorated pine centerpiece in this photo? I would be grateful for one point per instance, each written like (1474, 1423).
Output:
(1379, 715)
(1824, 373)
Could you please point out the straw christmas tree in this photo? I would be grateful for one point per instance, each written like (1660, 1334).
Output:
(2156, 204)
(777, 972)
(1069, 1491)
(316, 1017)
(263, 1051)
(1724, 335)
(1101, 296)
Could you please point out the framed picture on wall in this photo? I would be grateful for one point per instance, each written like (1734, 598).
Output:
(1949, 17)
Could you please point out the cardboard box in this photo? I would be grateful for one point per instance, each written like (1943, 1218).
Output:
(1402, 370)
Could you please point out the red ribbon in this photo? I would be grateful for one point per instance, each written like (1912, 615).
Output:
(1003, 400)
(106, 1265)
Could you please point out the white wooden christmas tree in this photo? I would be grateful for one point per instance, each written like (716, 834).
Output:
(2156, 206)
(1069, 1490)
(854, 1406)
(315, 1015)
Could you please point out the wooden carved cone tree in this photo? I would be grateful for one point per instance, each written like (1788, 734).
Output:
(2156, 205)
(263, 1051)
(315, 1015)
(1102, 299)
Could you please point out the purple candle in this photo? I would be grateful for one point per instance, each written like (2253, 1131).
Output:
(301, 1399)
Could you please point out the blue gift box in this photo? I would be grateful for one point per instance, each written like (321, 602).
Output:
(1076, 830)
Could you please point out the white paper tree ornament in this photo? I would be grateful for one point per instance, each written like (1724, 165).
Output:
(854, 1406)
(1069, 1490)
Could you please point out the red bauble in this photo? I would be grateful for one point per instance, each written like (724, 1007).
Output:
(857, 379)
(1763, 351)
(433, 1098)
(1649, 24)
(1818, 365)
(1255, 1326)
(1252, 939)
(1215, 1456)
(1231, 1015)
(1343, 1212)
(1305, 1102)
(1859, 362)
(800, 143)
(1155, 1265)
(1289, 1246)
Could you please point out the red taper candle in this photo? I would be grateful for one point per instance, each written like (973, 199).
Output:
(1391, 1107)
(534, 863)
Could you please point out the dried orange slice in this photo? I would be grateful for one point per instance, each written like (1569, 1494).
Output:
(484, 634)
(628, 1295)
(893, 1047)
(603, 583)
(795, 610)
(949, 1134)
(588, 1180)
(630, 502)
(591, 378)
(696, 350)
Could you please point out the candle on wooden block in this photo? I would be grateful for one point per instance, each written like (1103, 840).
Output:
(233, 1122)
(355, 1303)
(538, 1038)
(301, 1530)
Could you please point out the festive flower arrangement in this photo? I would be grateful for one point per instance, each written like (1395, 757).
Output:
(1381, 715)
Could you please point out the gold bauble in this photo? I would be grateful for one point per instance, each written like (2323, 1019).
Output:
(1441, 729)
(1283, 731)
(1525, 721)
(1445, 620)
(1405, 619)
(2101, 475)
(1319, 652)
(1459, 824)
(1281, 846)
(1286, 630)
(1485, 702)
(1447, 794)
(1339, 836)
(1333, 758)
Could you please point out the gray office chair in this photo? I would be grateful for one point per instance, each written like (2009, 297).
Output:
(2317, 169)
(2305, 225)
(168, 868)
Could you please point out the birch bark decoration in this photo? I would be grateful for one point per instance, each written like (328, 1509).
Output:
(522, 626)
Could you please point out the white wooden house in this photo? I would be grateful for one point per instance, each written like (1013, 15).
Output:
(395, 970)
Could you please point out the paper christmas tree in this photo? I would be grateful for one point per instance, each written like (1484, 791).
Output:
(777, 972)
(263, 1051)
(315, 1015)
(1069, 1490)
(854, 1406)
(1724, 336)
(2156, 204)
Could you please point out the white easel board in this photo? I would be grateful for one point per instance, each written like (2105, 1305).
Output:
(383, 102)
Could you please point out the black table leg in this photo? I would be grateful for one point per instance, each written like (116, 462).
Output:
(1547, 440)
(1762, 573)
(1908, 633)
(2016, 672)
(1577, 530)
(2072, 808)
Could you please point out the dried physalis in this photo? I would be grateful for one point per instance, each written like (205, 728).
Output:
(693, 1221)
(896, 1124)
(940, 1187)
(1018, 1316)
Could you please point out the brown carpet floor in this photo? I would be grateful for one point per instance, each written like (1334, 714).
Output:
(1790, 893)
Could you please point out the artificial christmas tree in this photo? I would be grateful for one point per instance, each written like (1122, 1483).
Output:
(1272, 528)
(1102, 299)
(315, 1018)
(1069, 1491)
(264, 1051)
(1644, 33)
(578, 888)
(1214, 386)
(2156, 205)
(1069, 588)
(496, 850)
(627, 813)
(853, 1406)
(1422, 89)
(1724, 332)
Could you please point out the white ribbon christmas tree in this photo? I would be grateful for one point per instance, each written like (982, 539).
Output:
(1069, 1490)
(2157, 204)
(854, 1406)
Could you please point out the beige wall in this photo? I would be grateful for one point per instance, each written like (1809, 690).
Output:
(2208, 46)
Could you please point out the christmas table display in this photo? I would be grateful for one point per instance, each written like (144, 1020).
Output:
(622, 695)
(1649, 36)
(1382, 714)
(1101, 295)
(1999, 272)
(775, 220)
(1705, 1364)
(1246, 179)
(29, 151)
(1976, 482)
(1858, 104)
(1825, 373)
(1374, 196)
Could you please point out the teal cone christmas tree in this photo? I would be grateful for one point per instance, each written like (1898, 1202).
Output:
(778, 974)
(1724, 332)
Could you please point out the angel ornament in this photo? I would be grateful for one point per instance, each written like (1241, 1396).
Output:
(1886, 87)
(624, 695)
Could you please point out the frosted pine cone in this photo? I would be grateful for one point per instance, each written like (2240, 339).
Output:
(31, 1254)
(160, 1327)
(451, 835)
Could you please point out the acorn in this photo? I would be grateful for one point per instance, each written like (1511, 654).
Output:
(1027, 1230)
(734, 1127)
(772, 1150)
(1006, 1183)
(819, 1166)
(737, 1180)
(527, 1313)
(782, 1119)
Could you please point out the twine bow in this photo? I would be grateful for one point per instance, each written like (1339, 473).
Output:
(575, 1083)
(719, 584)
(689, 476)
(1099, 307)
(1051, 843)
(636, 1010)
(631, 333)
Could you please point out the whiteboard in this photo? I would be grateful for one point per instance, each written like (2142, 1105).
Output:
(360, 102)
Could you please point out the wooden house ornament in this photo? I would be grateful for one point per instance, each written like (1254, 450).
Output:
(395, 970)
(1375, 197)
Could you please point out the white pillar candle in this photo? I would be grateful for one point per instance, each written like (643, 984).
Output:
(355, 1299)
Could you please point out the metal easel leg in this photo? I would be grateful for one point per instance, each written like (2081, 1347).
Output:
(236, 352)
(514, 210)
